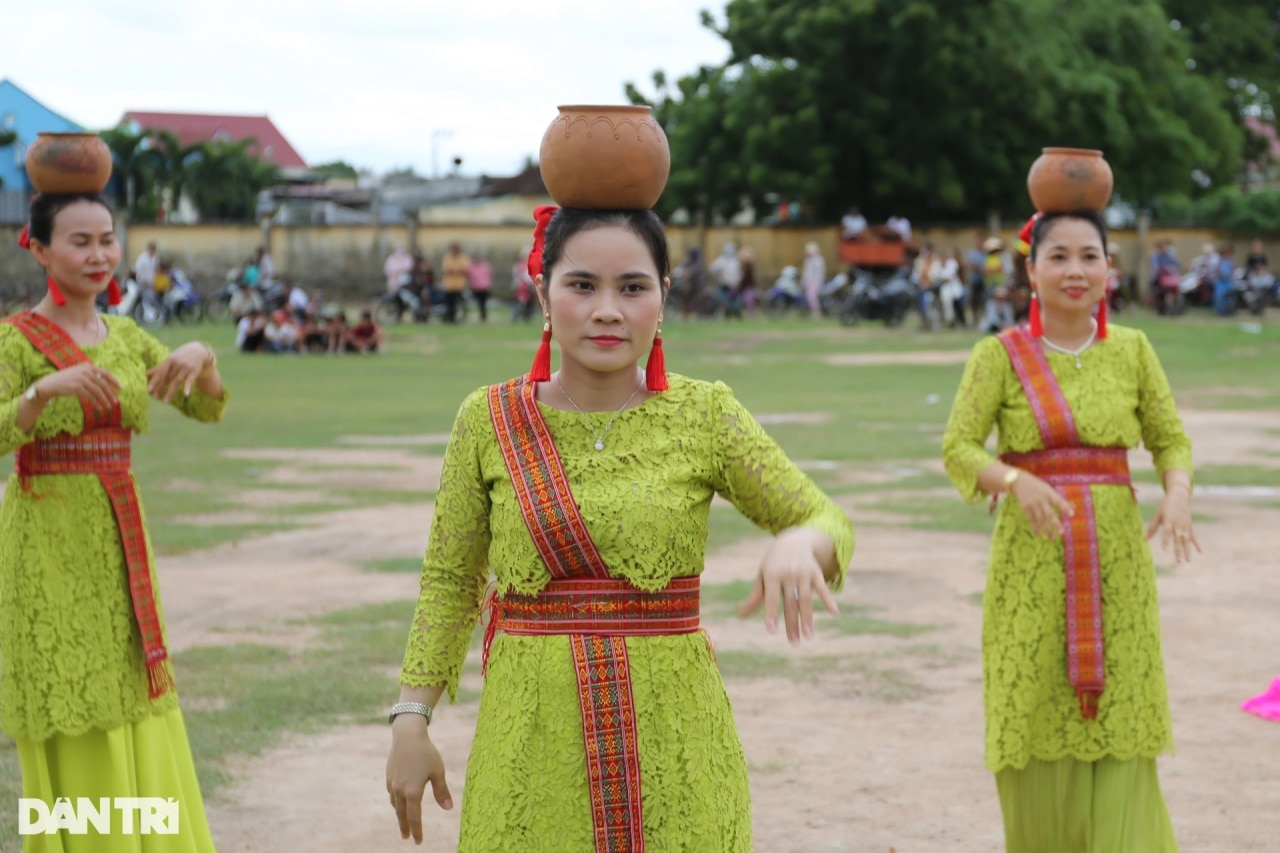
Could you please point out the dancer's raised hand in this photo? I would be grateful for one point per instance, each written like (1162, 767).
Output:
(181, 369)
(791, 576)
(95, 385)
(1044, 507)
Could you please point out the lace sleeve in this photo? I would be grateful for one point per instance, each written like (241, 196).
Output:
(13, 382)
(973, 415)
(755, 475)
(456, 567)
(1162, 431)
(199, 406)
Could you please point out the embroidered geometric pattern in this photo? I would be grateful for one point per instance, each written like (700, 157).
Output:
(102, 449)
(610, 734)
(1072, 469)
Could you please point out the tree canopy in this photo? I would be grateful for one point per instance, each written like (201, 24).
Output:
(935, 109)
(153, 169)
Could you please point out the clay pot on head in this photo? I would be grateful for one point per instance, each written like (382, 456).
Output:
(1070, 180)
(605, 157)
(66, 163)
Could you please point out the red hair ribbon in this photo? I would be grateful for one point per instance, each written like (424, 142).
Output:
(1024, 236)
(24, 237)
(541, 215)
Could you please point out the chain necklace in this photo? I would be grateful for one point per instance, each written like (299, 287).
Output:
(599, 445)
(1074, 352)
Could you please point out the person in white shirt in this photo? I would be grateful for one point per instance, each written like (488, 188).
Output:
(853, 224)
(297, 300)
(144, 268)
(902, 225)
(812, 276)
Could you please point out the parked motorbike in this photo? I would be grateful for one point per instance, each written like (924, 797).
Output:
(140, 303)
(393, 307)
(183, 302)
(878, 297)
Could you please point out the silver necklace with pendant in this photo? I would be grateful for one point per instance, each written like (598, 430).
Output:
(599, 445)
(1074, 352)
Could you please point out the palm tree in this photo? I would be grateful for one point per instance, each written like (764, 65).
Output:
(172, 162)
(135, 167)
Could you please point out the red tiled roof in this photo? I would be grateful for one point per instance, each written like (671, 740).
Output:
(199, 127)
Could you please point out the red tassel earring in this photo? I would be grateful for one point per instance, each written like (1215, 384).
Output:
(1101, 317)
(56, 292)
(1037, 327)
(114, 296)
(655, 369)
(541, 370)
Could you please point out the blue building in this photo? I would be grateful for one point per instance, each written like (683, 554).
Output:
(24, 115)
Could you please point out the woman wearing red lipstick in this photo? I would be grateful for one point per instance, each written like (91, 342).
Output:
(87, 690)
(1076, 702)
(604, 724)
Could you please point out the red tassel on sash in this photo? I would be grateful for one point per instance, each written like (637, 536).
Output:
(56, 292)
(541, 370)
(655, 370)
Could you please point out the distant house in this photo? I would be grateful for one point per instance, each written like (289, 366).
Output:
(26, 117)
(190, 128)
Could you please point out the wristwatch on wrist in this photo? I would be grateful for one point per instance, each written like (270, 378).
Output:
(1011, 477)
(410, 708)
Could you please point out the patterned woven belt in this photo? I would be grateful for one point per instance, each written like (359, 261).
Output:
(98, 451)
(596, 607)
(1080, 466)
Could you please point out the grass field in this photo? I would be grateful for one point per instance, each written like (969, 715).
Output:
(241, 699)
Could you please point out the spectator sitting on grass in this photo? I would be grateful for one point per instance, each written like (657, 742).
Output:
(338, 334)
(281, 333)
(251, 331)
(365, 335)
(311, 336)
(999, 312)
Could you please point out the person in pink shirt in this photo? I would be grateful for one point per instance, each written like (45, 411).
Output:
(398, 269)
(481, 276)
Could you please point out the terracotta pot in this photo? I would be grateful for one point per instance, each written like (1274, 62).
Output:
(610, 157)
(1069, 180)
(63, 163)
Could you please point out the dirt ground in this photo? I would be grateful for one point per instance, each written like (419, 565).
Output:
(873, 744)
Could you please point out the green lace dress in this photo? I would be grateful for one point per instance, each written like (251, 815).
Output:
(1119, 397)
(646, 500)
(73, 691)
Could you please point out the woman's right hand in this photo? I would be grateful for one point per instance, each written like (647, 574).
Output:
(87, 381)
(1044, 507)
(414, 761)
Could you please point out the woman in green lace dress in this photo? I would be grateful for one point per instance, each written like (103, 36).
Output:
(1074, 759)
(643, 467)
(87, 689)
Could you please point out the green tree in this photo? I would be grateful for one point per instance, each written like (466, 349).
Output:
(170, 163)
(223, 180)
(1236, 44)
(134, 172)
(336, 169)
(936, 108)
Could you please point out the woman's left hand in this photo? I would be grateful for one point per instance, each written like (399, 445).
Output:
(1173, 520)
(180, 370)
(790, 575)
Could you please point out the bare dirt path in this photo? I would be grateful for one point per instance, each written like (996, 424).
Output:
(868, 742)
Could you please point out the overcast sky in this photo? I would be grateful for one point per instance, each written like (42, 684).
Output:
(368, 81)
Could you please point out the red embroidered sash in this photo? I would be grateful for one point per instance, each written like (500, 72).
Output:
(103, 448)
(585, 603)
(1072, 469)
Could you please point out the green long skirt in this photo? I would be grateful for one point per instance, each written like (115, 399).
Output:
(149, 758)
(1071, 806)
